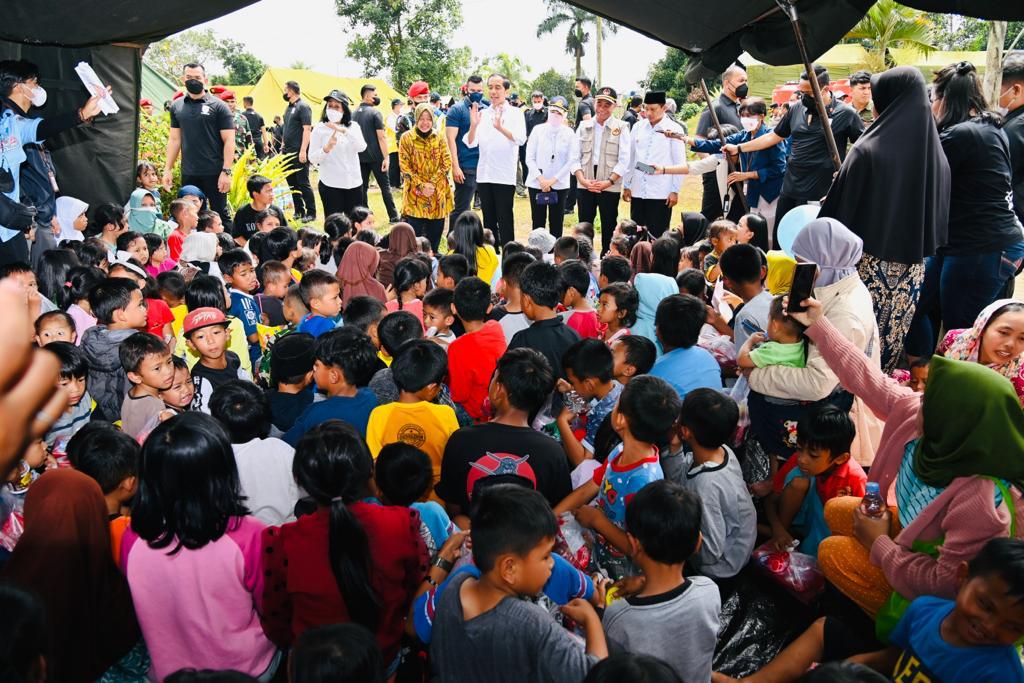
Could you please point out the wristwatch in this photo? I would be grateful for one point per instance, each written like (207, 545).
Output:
(442, 564)
(226, 171)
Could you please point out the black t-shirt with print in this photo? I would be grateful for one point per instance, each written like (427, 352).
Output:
(244, 224)
(370, 121)
(201, 122)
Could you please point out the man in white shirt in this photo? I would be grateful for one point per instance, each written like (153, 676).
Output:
(498, 132)
(653, 196)
(605, 146)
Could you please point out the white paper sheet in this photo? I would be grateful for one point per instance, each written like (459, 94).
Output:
(93, 84)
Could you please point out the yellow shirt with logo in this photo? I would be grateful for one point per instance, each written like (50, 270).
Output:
(424, 425)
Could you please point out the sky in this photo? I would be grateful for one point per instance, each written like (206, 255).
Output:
(310, 31)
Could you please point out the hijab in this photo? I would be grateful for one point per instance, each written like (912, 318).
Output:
(966, 344)
(651, 288)
(401, 243)
(68, 210)
(199, 247)
(832, 246)
(64, 556)
(356, 273)
(641, 257)
(695, 227)
(893, 189)
(973, 425)
(141, 219)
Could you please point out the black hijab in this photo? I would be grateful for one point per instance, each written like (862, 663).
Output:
(695, 228)
(893, 189)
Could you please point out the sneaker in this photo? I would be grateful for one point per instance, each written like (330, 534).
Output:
(308, 218)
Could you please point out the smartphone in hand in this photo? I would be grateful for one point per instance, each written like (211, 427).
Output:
(645, 168)
(750, 327)
(803, 286)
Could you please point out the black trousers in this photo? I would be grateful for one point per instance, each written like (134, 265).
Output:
(14, 250)
(382, 182)
(302, 191)
(711, 200)
(218, 200)
(431, 228)
(654, 214)
(522, 162)
(394, 170)
(570, 201)
(464, 192)
(496, 202)
(551, 216)
(339, 199)
(607, 203)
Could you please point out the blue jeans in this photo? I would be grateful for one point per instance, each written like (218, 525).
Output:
(956, 288)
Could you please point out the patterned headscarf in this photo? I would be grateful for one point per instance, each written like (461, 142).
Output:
(967, 343)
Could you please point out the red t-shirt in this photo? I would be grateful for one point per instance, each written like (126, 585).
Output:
(585, 323)
(847, 480)
(471, 362)
(174, 242)
(158, 314)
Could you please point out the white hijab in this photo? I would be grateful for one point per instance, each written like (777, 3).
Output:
(199, 246)
(69, 209)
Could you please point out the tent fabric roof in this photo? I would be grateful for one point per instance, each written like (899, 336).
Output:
(315, 85)
(155, 87)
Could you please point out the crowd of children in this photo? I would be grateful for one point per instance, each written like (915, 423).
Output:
(331, 457)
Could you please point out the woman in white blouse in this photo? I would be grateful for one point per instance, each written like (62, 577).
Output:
(550, 153)
(334, 146)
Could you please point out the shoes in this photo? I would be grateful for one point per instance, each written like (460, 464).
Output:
(569, 212)
(520, 193)
(308, 218)
(476, 205)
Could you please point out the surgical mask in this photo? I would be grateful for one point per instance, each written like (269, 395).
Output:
(194, 86)
(742, 91)
(555, 118)
(578, 92)
(38, 98)
(749, 123)
(538, 105)
(1003, 111)
(334, 115)
(476, 97)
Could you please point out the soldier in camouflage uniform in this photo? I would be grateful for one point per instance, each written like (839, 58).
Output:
(243, 133)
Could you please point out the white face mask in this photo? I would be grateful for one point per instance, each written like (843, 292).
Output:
(38, 97)
(555, 118)
(1003, 111)
(749, 123)
(334, 115)
(538, 105)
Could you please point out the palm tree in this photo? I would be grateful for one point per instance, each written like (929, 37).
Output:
(601, 30)
(891, 25)
(576, 37)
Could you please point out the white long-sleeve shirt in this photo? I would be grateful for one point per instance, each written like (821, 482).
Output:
(622, 163)
(653, 148)
(498, 155)
(340, 167)
(551, 151)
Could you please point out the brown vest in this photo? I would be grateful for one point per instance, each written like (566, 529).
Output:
(607, 156)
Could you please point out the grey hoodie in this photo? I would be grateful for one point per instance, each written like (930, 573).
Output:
(108, 382)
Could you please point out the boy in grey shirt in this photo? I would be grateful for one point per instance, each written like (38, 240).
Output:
(672, 618)
(729, 527)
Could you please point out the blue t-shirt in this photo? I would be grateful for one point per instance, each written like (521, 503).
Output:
(16, 131)
(244, 307)
(597, 414)
(352, 409)
(458, 118)
(619, 483)
(437, 521)
(926, 657)
(565, 584)
(688, 369)
(316, 325)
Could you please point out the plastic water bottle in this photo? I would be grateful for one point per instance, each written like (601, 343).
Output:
(872, 504)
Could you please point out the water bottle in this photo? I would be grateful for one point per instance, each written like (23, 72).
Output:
(872, 504)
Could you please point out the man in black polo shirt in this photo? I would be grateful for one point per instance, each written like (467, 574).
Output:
(584, 111)
(203, 130)
(374, 159)
(298, 122)
(256, 125)
(727, 107)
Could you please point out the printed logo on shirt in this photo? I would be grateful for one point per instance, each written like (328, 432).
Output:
(205, 110)
(412, 434)
(910, 669)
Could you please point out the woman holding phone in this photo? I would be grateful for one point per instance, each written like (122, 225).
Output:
(334, 146)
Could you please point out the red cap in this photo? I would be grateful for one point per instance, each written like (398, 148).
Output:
(226, 94)
(145, 103)
(419, 88)
(203, 317)
(495, 464)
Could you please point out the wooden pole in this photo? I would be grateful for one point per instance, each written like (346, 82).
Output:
(740, 196)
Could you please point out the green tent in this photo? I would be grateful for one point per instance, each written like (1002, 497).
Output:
(156, 87)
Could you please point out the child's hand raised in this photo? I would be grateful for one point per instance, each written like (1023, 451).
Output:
(587, 515)
(563, 386)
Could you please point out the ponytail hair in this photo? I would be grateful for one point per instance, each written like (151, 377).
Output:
(333, 465)
(408, 271)
(80, 282)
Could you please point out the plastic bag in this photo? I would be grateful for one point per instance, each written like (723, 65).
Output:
(574, 542)
(798, 573)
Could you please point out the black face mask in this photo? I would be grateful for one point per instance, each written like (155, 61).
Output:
(742, 91)
(194, 86)
(422, 134)
(578, 92)
(808, 101)
(376, 101)
(285, 98)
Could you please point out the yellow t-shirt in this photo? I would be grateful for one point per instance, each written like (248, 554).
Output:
(424, 425)
(179, 313)
(237, 343)
(486, 262)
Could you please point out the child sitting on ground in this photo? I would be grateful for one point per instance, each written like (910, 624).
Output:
(722, 235)
(616, 310)
(632, 355)
(55, 326)
(614, 269)
(473, 356)
(643, 418)
(186, 216)
(147, 363)
(73, 372)
(418, 371)
(405, 477)
(276, 280)
(120, 310)
(238, 273)
(81, 280)
(364, 313)
(344, 362)
(672, 618)
(394, 331)
(411, 276)
(438, 317)
(321, 292)
(787, 347)
(588, 365)
(967, 639)
(581, 316)
(171, 287)
(707, 423)
(179, 397)
(159, 257)
(293, 308)
(450, 270)
(821, 470)
(206, 334)
(513, 535)
(512, 318)
(291, 376)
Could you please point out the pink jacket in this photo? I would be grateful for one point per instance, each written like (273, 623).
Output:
(963, 514)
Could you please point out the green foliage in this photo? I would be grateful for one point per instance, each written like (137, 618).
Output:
(408, 39)
(688, 110)
(576, 36)
(274, 167)
(510, 67)
(299, 64)
(170, 55)
(153, 134)
(669, 74)
(552, 83)
(243, 67)
(891, 25)
(955, 32)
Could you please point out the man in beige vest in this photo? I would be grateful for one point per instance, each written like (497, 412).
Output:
(604, 160)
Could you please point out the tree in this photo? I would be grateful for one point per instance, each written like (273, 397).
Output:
(576, 36)
(955, 32)
(170, 55)
(409, 39)
(891, 25)
(602, 28)
(552, 83)
(669, 74)
(243, 67)
(502, 63)
(301, 65)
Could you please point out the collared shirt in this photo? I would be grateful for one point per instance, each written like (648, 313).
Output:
(622, 164)
(651, 147)
(499, 156)
(339, 168)
(201, 122)
(728, 111)
(551, 152)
